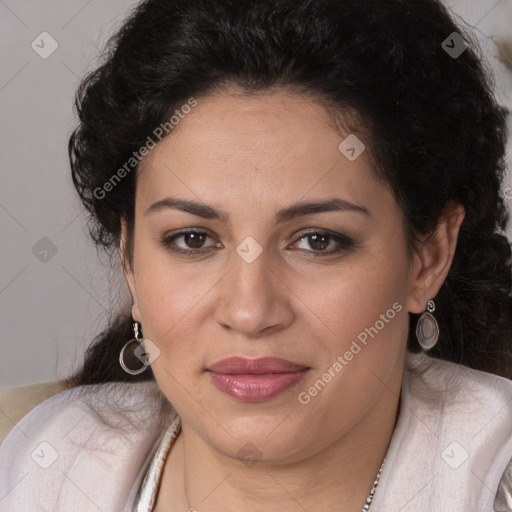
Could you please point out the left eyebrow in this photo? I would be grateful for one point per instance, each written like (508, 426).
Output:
(284, 215)
(309, 208)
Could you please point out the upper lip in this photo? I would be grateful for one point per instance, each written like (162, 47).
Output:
(262, 365)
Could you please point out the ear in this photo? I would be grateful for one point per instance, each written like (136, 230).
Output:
(434, 258)
(128, 271)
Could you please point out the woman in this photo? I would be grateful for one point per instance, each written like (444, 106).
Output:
(306, 199)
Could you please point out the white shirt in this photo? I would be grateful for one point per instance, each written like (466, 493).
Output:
(103, 447)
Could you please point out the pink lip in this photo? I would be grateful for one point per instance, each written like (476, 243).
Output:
(253, 380)
(262, 365)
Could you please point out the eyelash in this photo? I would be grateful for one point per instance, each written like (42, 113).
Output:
(343, 241)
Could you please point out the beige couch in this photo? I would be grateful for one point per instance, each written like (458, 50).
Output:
(16, 402)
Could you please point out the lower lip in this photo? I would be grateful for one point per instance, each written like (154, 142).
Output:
(254, 388)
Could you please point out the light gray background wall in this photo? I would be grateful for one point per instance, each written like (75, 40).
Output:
(52, 303)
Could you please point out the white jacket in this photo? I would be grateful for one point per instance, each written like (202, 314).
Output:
(88, 448)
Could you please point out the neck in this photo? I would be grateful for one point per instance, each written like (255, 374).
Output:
(339, 477)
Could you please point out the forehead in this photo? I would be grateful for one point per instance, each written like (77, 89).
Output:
(252, 148)
(233, 122)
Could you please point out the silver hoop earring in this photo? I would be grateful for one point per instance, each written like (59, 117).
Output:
(138, 351)
(427, 330)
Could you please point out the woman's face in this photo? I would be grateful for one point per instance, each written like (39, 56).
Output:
(265, 278)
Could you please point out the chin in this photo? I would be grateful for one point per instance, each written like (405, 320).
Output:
(260, 438)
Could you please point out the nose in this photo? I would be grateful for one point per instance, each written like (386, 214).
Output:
(253, 298)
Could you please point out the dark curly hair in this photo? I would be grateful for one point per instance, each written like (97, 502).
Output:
(435, 132)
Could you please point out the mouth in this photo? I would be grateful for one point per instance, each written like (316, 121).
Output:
(255, 380)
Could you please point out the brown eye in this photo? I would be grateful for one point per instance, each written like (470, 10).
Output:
(318, 242)
(192, 242)
(321, 242)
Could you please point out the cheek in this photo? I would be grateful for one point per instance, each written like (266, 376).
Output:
(353, 299)
(166, 290)
(360, 363)
(364, 307)
(171, 305)
(171, 301)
